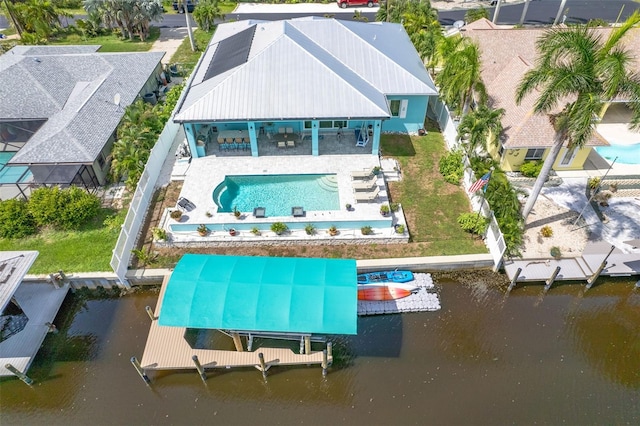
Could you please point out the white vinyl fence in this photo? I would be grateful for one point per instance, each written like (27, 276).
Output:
(140, 202)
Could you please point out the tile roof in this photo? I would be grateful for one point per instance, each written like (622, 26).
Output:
(506, 55)
(306, 68)
(73, 88)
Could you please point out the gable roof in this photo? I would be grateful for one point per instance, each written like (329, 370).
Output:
(73, 88)
(506, 55)
(303, 68)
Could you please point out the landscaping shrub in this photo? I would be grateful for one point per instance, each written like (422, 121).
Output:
(503, 199)
(15, 219)
(63, 208)
(531, 168)
(471, 222)
(546, 231)
(451, 167)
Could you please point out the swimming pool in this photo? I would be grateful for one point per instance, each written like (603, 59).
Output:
(12, 174)
(277, 193)
(627, 154)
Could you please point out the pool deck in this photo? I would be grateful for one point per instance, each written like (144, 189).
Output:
(204, 174)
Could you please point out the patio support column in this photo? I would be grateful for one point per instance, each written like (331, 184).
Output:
(314, 137)
(375, 146)
(254, 138)
(190, 132)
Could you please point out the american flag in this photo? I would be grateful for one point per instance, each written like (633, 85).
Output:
(480, 183)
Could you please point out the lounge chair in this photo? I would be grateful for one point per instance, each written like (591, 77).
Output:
(259, 212)
(365, 185)
(362, 174)
(297, 211)
(186, 204)
(366, 197)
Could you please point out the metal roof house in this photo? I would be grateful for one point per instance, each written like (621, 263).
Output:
(60, 109)
(260, 82)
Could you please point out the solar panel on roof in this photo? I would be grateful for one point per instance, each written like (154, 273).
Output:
(231, 52)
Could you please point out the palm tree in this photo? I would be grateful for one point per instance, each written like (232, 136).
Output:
(459, 80)
(422, 25)
(480, 126)
(206, 13)
(576, 64)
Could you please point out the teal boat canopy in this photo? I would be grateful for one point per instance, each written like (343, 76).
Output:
(262, 294)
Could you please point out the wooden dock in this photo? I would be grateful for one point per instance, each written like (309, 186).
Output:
(576, 268)
(167, 349)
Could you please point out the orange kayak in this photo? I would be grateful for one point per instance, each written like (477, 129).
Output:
(385, 291)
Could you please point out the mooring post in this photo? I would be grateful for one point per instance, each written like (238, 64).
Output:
(150, 313)
(201, 371)
(19, 374)
(551, 279)
(595, 276)
(324, 363)
(301, 345)
(263, 366)
(140, 370)
(237, 341)
(514, 280)
(330, 352)
(307, 345)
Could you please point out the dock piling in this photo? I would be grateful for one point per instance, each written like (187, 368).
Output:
(514, 280)
(140, 370)
(324, 363)
(330, 353)
(150, 313)
(551, 279)
(596, 274)
(307, 345)
(20, 375)
(203, 374)
(237, 341)
(263, 366)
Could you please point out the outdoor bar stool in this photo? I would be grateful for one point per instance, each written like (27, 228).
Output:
(221, 144)
(239, 143)
(229, 143)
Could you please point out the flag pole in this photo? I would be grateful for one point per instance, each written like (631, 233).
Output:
(484, 190)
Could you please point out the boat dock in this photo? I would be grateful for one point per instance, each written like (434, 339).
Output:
(167, 349)
(39, 304)
(596, 259)
(421, 301)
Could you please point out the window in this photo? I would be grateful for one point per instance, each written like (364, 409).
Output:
(336, 124)
(568, 157)
(307, 124)
(394, 106)
(534, 154)
(326, 124)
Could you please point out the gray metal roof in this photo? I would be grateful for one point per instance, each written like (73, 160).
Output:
(73, 87)
(307, 68)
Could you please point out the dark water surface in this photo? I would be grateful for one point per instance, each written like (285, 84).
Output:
(565, 358)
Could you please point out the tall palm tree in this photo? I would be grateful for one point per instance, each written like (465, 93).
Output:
(460, 81)
(480, 126)
(422, 25)
(577, 64)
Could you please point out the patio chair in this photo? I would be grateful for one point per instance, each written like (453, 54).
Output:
(291, 143)
(259, 212)
(282, 144)
(281, 130)
(366, 197)
(289, 130)
(297, 211)
(362, 174)
(186, 204)
(365, 185)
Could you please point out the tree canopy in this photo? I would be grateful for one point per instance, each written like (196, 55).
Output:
(132, 17)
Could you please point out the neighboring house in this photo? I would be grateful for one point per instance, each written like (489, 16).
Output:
(309, 76)
(506, 55)
(60, 109)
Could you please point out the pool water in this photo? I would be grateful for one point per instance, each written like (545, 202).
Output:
(277, 193)
(627, 154)
(12, 174)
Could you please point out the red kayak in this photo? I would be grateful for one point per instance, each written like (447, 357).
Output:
(385, 291)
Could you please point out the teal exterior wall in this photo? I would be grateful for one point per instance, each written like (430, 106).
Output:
(416, 111)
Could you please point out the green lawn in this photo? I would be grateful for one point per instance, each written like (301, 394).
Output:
(111, 43)
(86, 250)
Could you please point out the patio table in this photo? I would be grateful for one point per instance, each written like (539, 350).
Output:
(233, 134)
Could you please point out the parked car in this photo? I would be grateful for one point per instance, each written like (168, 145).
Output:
(369, 3)
(179, 5)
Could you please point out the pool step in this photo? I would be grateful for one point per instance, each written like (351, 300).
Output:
(328, 183)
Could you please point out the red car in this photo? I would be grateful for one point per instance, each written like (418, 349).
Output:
(345, 3)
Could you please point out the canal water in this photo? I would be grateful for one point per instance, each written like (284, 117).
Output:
(567, 357)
